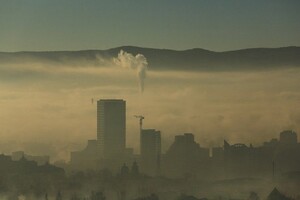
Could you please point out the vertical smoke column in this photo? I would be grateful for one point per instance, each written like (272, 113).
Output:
(138, 63)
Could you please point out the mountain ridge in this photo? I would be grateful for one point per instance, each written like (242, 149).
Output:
(164, 59)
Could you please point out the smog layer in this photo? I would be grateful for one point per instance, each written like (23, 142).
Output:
(245, 96)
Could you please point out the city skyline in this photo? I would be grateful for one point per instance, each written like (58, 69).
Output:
(111, 120)
(184, 156)
(252, 168)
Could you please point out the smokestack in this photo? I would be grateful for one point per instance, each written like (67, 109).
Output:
(138, 63)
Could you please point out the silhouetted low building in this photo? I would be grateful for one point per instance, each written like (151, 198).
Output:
(87, 158)
(273, 158)
(26, 167)
(135, 169)
(17, 155)
(185, 157)
(288, 137)
(124, 171)
(238, 159)
(276, 195)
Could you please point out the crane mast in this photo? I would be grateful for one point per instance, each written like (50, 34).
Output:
(141, 118)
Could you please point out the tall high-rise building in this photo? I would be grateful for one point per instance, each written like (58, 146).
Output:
(150, 151)
(111, 127)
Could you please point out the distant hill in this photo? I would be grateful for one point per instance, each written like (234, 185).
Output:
(165, 59)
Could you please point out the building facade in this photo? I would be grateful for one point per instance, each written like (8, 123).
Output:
(150, 151)
(111, 127)
(185, 157)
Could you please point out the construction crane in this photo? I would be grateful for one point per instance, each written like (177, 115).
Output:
(141, 118)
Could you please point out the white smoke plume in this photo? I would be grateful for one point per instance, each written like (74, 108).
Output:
(138, 63)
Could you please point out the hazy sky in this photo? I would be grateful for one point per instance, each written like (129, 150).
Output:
(94, 24)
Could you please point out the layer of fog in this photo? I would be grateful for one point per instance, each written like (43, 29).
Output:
(47, 109)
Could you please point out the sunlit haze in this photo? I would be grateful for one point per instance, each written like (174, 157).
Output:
(149, 100)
